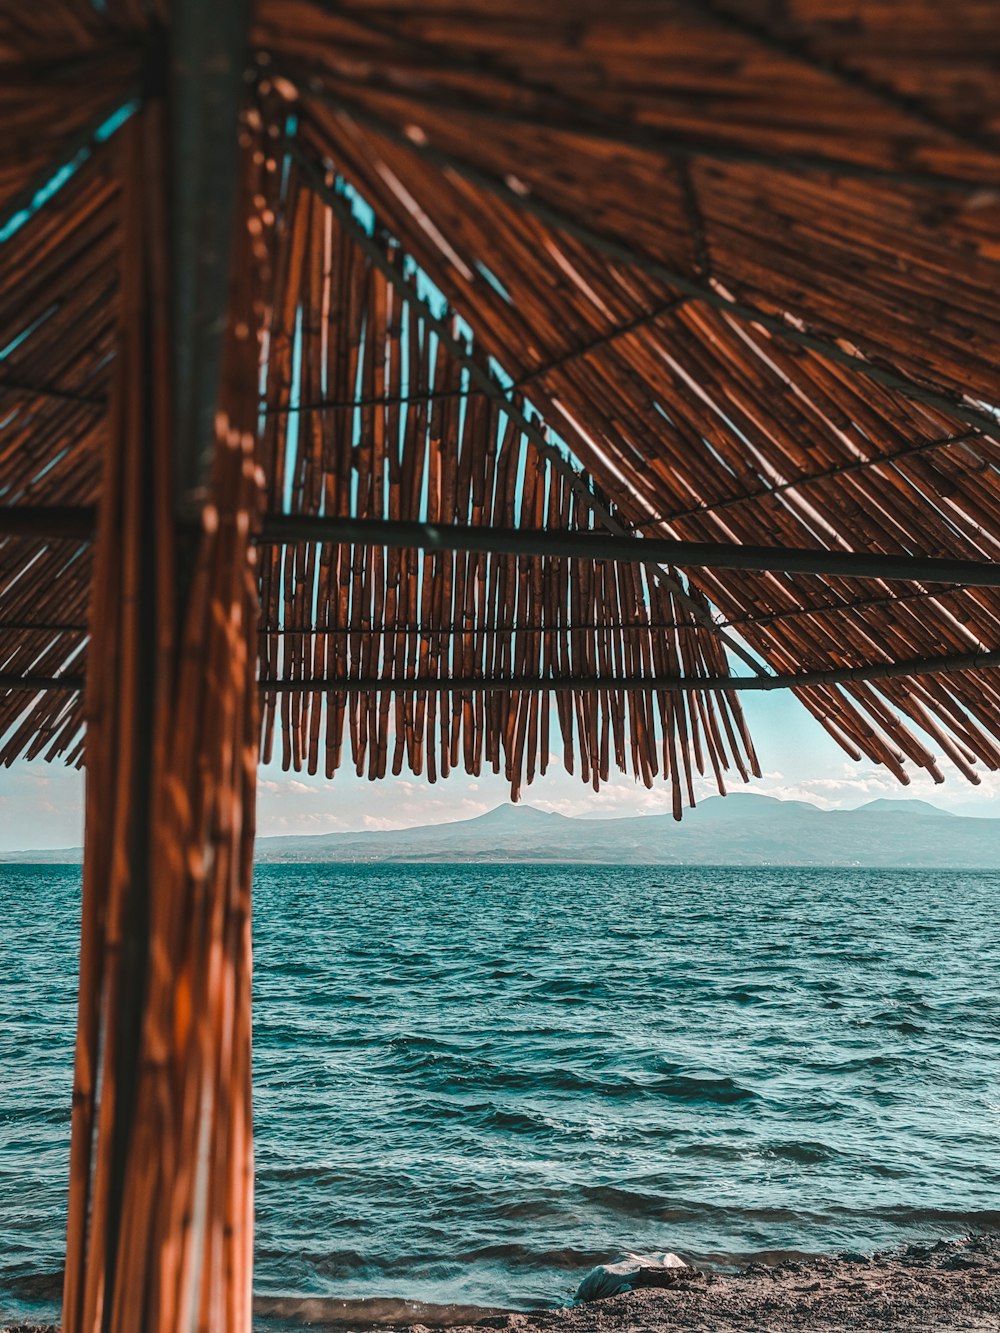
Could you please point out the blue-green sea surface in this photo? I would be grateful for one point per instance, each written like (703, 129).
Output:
(474, 1082)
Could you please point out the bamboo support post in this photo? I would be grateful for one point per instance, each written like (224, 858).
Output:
(160, 1227)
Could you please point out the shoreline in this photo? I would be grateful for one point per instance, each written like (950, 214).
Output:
(943, 1286)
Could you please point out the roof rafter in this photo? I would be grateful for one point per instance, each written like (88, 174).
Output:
(605, 340)
(814, 478)
(921, 666)
(381, 400)
(13, 385)
(593, 545)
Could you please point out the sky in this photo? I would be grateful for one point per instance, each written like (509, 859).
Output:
(41, 805)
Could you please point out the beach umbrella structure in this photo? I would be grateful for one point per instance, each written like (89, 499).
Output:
(429, 386)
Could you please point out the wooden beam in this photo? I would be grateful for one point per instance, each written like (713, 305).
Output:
(69, 523)
(911, 667)
(596, 545)
(43, 627)
(160, 1211)
(49, 522)
(13, 384)
(9, 681)
(927, 666)
(382, 400)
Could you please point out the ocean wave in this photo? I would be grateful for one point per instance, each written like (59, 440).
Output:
(667, 1208)
(806, 1152)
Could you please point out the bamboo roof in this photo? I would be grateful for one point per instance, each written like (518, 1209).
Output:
(719, 276)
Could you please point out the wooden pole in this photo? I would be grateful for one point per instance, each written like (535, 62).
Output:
(161, 1181)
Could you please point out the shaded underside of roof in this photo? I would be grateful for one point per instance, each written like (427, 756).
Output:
(722, 272)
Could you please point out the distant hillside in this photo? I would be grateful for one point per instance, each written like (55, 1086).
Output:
(883, 806)
(741, 829)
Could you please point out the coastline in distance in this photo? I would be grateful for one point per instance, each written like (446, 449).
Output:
(740, 829)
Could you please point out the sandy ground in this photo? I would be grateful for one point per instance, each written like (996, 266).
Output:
(938, 1287)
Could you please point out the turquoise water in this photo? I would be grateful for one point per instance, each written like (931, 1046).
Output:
(472, 1083)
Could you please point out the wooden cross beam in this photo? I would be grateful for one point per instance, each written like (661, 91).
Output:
(944, 665)
(76, 524)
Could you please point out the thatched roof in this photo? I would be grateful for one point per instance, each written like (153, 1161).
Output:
(720, 272)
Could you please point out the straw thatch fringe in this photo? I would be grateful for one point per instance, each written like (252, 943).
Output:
(412, 442)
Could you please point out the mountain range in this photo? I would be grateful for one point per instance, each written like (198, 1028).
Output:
(741, 829)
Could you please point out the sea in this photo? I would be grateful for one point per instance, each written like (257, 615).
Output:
(474, 1082)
